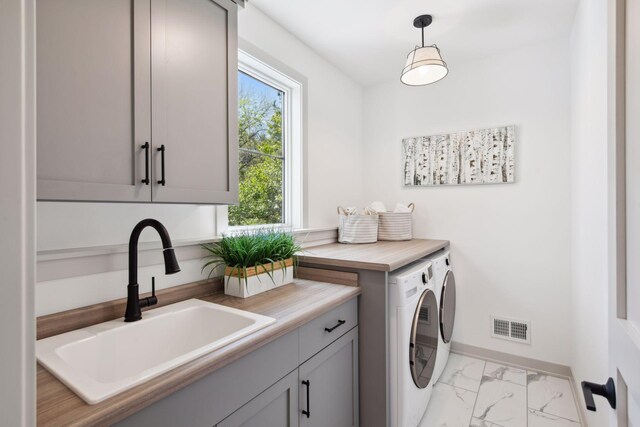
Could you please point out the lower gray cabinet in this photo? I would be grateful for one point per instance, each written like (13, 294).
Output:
(215, 397)
(270, 388)
(329, 385)
(277, 406)
(322, 392)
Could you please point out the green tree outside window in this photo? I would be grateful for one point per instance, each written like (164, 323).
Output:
(261, 154)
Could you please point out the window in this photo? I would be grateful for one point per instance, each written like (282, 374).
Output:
(261, 154)
(270, 148)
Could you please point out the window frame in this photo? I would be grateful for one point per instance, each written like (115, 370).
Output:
(292, 135)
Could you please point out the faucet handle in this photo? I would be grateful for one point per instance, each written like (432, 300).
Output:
(152, 300)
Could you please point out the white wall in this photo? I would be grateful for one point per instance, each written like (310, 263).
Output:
(84, 225)
(509, 242)
(334, 131)
(589, 177)
(78, 225)
(334, 145)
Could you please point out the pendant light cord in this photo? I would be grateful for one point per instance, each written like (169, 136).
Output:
(422, 36)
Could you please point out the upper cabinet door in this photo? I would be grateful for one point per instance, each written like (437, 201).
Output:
(194, 101)
(93, 99)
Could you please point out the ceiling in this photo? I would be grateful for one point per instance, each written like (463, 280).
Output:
(369, 39)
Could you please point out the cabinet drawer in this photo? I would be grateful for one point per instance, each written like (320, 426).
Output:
(322, 331)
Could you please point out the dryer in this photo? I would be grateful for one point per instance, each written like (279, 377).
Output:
(413, 342)
(445, 289)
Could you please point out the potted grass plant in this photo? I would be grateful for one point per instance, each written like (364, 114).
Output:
(255, 261)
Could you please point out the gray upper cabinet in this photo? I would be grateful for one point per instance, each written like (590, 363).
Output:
(194, 93)
(113, 75)
(93, 99)
(329, 385)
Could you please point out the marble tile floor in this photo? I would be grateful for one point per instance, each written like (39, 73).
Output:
(477, 393)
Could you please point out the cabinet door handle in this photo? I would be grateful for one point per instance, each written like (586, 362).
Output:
(340, 323)
(146, 179)
(162, 181)
(308, 411)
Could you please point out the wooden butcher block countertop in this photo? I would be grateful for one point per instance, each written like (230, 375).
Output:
(380, 256)
(291, 305)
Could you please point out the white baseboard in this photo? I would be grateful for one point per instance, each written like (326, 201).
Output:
(511, 359)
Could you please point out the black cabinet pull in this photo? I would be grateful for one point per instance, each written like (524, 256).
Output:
(162, 181)
(340, 323)
(146, 179)
(607, 390)
(308, 411)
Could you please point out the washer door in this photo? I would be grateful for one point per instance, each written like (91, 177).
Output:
(424, 340)
(448, 306)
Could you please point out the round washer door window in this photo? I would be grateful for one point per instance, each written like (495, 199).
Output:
(448, 306)
(424, 339)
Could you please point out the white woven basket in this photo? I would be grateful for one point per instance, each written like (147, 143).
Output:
(395, 225)
(357, 228)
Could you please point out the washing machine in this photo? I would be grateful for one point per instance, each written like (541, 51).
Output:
(413, 342)
(445, 290)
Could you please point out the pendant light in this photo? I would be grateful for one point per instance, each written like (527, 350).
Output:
(424, 63)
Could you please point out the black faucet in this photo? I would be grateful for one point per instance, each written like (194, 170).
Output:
(134, 303)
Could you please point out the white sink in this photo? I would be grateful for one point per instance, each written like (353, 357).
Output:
(103, 360)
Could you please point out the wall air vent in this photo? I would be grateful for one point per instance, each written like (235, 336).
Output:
(511, 329)
(501, 327)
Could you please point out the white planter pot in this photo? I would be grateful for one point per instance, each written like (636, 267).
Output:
(254, 285)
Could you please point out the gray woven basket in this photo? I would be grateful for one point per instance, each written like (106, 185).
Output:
(355, 228)
(396, 225)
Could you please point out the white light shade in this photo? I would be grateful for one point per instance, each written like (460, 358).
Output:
(424, 66)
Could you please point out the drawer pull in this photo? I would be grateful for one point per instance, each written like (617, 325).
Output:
(308, 411)
(340, 323)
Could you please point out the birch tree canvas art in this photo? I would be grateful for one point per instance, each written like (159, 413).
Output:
(484, 156)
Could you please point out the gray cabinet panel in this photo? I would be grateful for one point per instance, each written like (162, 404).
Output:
(372, 335)
(314, 337)
(211, 399)
(277, 406)
(332, 377)
(194, 96)
(93, 99)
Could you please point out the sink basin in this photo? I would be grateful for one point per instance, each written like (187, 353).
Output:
(100, 361)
